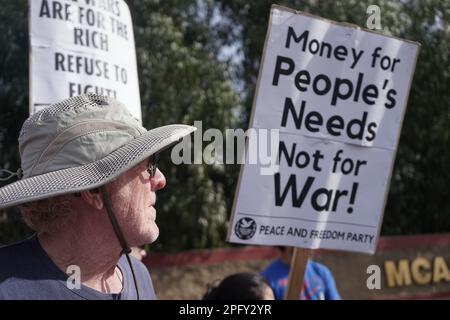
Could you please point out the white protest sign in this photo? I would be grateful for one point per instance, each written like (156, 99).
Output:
(82, 46)
(338, 96)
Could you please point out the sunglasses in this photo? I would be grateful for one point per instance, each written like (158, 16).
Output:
(152, 165)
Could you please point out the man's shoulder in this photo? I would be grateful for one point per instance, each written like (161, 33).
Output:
(140, 268)
(14, 253)
(18, 270)
(17, 244)
(142, 276)
(143, 270)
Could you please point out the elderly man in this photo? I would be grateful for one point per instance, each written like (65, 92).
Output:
(88, 188)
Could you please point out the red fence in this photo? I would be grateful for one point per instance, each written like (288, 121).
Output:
(215, 256)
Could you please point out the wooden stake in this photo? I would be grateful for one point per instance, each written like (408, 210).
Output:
(299, 261)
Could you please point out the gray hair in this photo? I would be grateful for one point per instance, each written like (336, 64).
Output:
(48, 215)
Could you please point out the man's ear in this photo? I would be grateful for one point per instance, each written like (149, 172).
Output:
(93, 198)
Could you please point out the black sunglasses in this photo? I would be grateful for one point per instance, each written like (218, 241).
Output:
(152, 165)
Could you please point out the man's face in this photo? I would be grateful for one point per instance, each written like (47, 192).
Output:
(133, 197)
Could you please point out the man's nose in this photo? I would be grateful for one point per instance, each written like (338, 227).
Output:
(158, 181)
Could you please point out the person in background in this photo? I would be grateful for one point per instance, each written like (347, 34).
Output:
(240, 286)
(318, 281)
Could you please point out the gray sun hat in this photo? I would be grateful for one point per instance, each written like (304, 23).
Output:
(82, 143)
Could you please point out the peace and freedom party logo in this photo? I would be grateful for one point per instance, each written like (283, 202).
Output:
(245, 228)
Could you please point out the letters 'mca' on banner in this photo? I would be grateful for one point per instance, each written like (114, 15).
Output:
(338, 96)
(82, 47)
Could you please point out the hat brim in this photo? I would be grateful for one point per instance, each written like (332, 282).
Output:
(94, 174)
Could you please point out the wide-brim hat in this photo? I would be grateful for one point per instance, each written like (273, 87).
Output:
(82, 143)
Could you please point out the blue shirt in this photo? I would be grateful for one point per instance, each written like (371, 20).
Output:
(28, 273)
(318, 283)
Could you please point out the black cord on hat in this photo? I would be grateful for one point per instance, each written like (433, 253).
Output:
(125, 248)
(18, 173)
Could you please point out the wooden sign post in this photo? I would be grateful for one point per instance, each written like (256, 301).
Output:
(299, 262)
